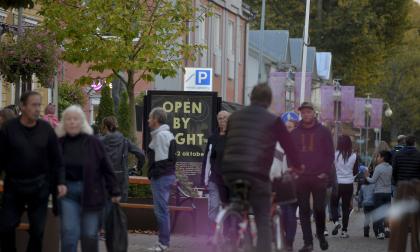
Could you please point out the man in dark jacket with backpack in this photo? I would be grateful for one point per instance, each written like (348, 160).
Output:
(251, 138)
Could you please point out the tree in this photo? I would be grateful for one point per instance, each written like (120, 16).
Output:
(106, 105)
(124, 116)
(35, 52)
(359, 33)
(69, 94)
(140, 38)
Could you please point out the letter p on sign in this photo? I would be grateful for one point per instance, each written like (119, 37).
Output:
(202, 77)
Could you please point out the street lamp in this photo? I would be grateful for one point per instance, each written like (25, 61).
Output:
(378, 131)
(368, 111)
(337, 108)
(290, 83)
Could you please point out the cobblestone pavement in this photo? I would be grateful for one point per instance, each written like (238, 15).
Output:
(356, 242)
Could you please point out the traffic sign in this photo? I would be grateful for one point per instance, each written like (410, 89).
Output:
(289, 116)
(198, 79)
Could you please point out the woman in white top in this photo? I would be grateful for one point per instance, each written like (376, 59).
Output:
(346, 167)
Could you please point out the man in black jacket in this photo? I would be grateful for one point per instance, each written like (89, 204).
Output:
(406, 164)
(316, 149)
(31, 159)
(251, 138)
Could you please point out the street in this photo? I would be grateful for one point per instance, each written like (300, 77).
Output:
(356, 242)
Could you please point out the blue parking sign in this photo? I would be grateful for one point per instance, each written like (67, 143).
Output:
(202, 77)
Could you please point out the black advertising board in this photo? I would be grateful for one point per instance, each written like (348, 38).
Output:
(192, 119)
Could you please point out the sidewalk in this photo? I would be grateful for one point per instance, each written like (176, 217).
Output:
(356, 242)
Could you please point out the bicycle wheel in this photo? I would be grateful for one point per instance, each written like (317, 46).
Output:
(232, 233)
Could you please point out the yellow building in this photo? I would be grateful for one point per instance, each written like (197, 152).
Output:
(7, 90)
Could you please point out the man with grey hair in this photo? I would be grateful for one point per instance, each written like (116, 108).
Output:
(211, 175)
(161, 155)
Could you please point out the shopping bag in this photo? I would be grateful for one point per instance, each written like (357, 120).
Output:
(116, 230)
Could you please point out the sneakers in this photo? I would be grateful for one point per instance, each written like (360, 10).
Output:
(159, 247)
(344, 234)
(326, 233)
(307, 248)
(323, 244)
(380, 236)
(337, 226)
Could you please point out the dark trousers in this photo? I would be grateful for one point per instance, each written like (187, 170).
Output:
(381, 202)
(307, 185)
(14, 204)
(288, 214)
(260, 200)
(345, 193)
(367, 210)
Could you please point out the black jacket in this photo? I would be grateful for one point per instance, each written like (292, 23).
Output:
(251, 138)
(215, 156)
(406, 164)
(98, 175)
(316, 149)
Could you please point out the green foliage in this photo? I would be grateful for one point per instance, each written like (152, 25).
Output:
(138, 37)
(359, 33)
(106, 105)
(69, 94)
(140, 98)
(124, 116)
(6, 4)
(400, 87)
(35, 52)
(140, 191)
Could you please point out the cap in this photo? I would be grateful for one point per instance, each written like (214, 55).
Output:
(308, 105)
(400, 137)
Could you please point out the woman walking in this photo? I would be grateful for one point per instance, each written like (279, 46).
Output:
(88, 176)
(346, 167)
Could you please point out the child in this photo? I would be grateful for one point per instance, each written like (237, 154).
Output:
(382, 177)
(366, 200)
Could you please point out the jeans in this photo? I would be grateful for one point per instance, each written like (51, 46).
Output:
(381, 202)
(260, 201)
(214, 201)
(76, 223)
(161, 188)
(307, 185)
(345, 193)
(289, 221)
(12, 209)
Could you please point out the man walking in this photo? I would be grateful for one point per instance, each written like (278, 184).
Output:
(251, 138)
(315, 145)
(32, 162)
(406, 164)
(161, 157)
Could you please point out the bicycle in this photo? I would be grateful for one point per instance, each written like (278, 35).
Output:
(235, 225)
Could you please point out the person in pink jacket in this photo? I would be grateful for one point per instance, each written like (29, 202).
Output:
(50, 115)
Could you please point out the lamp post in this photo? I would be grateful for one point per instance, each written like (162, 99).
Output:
(378, 131)
(368, 111)
(290, 83)
(337, 109)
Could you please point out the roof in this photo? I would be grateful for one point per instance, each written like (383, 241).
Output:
(275, 44)
(323, 64)
(296, 51)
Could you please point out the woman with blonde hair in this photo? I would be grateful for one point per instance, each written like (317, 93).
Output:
(89, 177)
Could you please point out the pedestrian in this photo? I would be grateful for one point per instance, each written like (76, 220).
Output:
(49, 115)
(6, 115)
(88, 174)
(316, 148)
(383, 146)
(382, 177)
(211, 176)
(346, 166)
(367, 202)
(287, 202)
(401, 139)
(31, 160)
(161, 158)
(251, 138)
(406, 164)
(118, 147)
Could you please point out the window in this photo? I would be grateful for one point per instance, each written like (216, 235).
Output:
(217, 47)
(201, 34)
(230, 51)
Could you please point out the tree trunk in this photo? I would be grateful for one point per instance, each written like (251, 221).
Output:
(132, 103)
(319, 11)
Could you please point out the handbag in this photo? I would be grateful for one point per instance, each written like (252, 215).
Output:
(116, 230)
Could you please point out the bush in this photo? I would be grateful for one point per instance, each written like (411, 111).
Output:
(106, 105)
(69, 94)
(124, 120)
